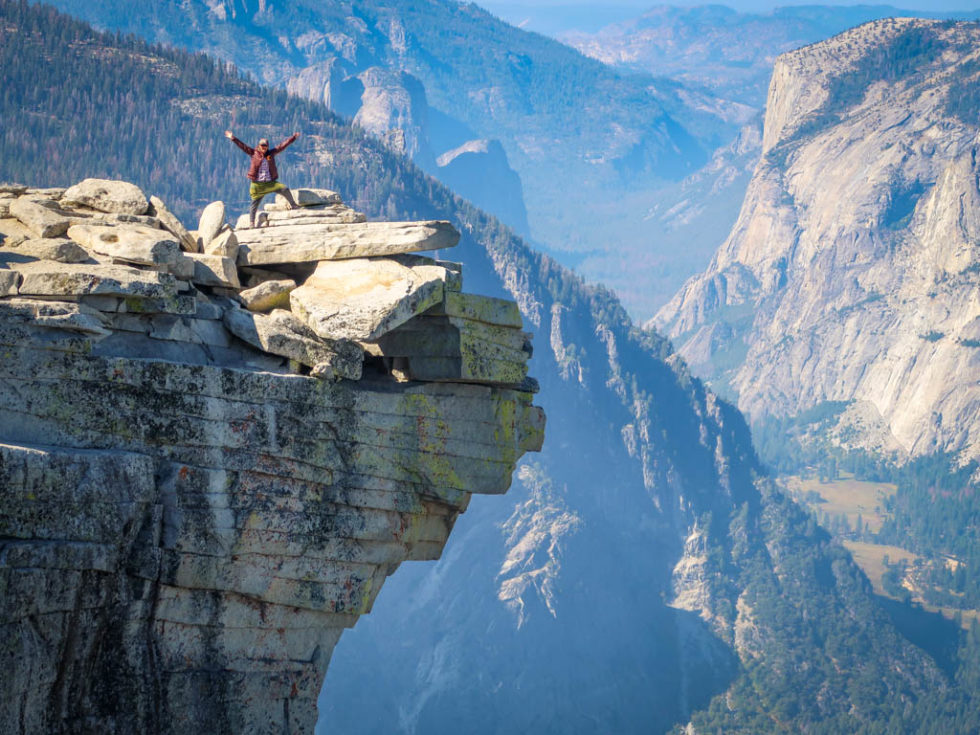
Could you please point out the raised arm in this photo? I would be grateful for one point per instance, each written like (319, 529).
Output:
(285, 144)
(248, 149)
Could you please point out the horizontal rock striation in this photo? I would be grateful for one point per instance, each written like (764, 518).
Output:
(198, 498)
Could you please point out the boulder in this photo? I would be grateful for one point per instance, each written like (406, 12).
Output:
(40, 220)
(8, 282)
(305, 243)
(224, 244)
(304, 198)
(173, 225)
(280, 333)
(5, 201)
(15, 189)
(214, 270)
(212, 220)
(362, 299)
(107, 196)
(47, 278)
(136, 244)
(52, 193)
(59, 249)
(12, 232)
(268, 295)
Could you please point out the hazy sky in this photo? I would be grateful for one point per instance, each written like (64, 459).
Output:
(555, 16)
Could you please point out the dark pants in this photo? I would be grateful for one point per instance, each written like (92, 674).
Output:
(254, 208)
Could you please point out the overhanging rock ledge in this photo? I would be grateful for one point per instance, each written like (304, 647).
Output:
(214, 450)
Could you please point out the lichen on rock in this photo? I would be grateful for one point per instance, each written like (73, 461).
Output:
(198, 498)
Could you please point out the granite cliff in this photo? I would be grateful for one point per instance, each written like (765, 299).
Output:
(851, 274)
(216, 445)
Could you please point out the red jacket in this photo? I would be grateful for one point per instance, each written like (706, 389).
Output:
(257, 156)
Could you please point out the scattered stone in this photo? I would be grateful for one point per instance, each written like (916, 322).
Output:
(214, 270)
(224, 244)
(107, 195)
(134, 244)
(309, 243)
(40, 220)
(47, 278)
(268, 295)
(362, 299)
(304, 198)
(15, 189)
(8, 282)
(12, 232)
(212, 220)
(283, 334)
(172, 224)
(61, 250)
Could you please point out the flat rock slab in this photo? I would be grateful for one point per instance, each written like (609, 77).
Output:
(305, 198)
(173, 225)
(55, 315)
(281, 333)
(475, 368)
(47, 278)
(107, 195)
(435, 336)
(214, 270)
(484, 309)
(135, 244)
(61, 250)
(330, 214)
(268, 295)
(315, 242)
(362, 299)
(40, 220)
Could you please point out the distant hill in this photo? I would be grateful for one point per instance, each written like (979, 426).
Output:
(718, 48)
(641, 573)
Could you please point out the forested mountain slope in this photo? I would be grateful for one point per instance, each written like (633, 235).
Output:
(640, 569)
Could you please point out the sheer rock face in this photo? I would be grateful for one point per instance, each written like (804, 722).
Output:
(851, 272)
(198, 500)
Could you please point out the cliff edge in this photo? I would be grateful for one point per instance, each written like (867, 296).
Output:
(216, 445)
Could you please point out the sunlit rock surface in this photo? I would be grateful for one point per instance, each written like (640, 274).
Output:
(197, 499)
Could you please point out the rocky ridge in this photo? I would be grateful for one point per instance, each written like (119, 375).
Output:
(215, 445)
(850, 275)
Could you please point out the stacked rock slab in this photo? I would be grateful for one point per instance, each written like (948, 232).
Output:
(197, 497)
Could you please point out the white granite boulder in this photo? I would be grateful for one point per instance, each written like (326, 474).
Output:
(362, 299)
(210, 224)
(172, 224)
(135, 244)
(225, 244)
(107, 195)
(8, 282)
(281, 333)
(214, 270)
